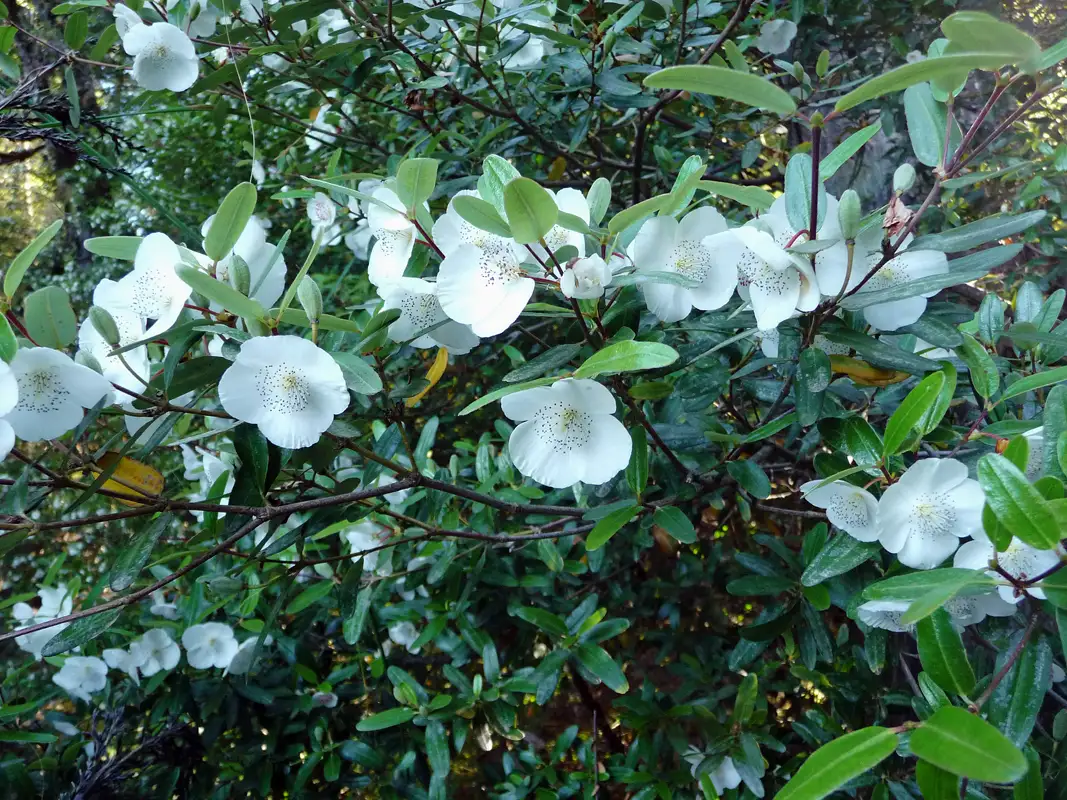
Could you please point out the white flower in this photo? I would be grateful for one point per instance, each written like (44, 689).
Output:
(907, 266)
(568, 433)
(1019, 560)
(203, 18)
(848, 507)
(586, 278)
(330, 23)
(322, 211)
(208, 645)
(532, 52)
(420, 309)
(323, 131)
(1035, 460)
(572, 202)
(242, 661)
(164, 57)
(54, 603)
(65, 728)
(161, 608)
(287, 386)
(776, 36)
(884, 615)
(404, 634)
(81, 676)
(364, 535)
(481, 281)
(259, 174)
(9, 398)
(358, 241)
(924, 514)
(831, 263)
(725, 776)
(131, 329)
(128, 661)
(125, 19)
(971, 609)
(53, 392)
(694, 248)
(160, 652)
(251, 246)
(394, 236)
(152, 289)
(324, 700)
(776, 282)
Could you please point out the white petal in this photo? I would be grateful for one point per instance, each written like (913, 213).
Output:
(700, 223)
(896, 314)
(535, 458)
(670, 303)
(653, 243)
(608, 451)
(523, 405)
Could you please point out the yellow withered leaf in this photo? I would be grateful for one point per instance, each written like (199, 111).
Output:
(864, 374)
(130, 478)
(435, 373)
(555, 172)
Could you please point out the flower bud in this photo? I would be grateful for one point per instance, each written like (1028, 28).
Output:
(310, 298)
(903, 178)
(87, 359)
(849, 213)
(240, 276)
(105, 325)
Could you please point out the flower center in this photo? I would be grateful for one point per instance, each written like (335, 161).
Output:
(563, 428)
(283, 392)
(933, 514)
(689, 258)
(41, 391)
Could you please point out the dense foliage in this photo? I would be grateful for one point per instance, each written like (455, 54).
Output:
(541, 400)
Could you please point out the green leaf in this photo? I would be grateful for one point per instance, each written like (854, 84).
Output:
(936, 783)
(123, 248)
(531, 210)
(932, 417)
(81, 631)
(750, 477)
(21, 263)
(50, 320)
(219, 292)
(627, 356)
(635, 213)
(839, 156)
(926, 120)
(1054, 422)
(881, 354)
(27, 737)
(837, 762)
(386, 719)
(909, 414)
(480, 214)
(926, 70)
(597, 662)
(637, 469)
(9, 344)
(599, 198)
(676, 523)
(503, 391)
(437, 752)
(685, 185)
(415, 181)
(968, 746)
(545, 620)
(229, 223)
(943, 655)
(1031, 787)
(983, 371)
(838, 556)
(1018, 506)
(548, 553)
(353, 624)
(549, 361)
(309, 597)
(744, 87)
(1036, 381)
(360, 376)
(136, 554)
(1018, 698)
(751, 196)
(989, 229)
(977, 32)
(798, 193)
(609, 525)
(813, 376)
(76, 30)
(916, 585)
